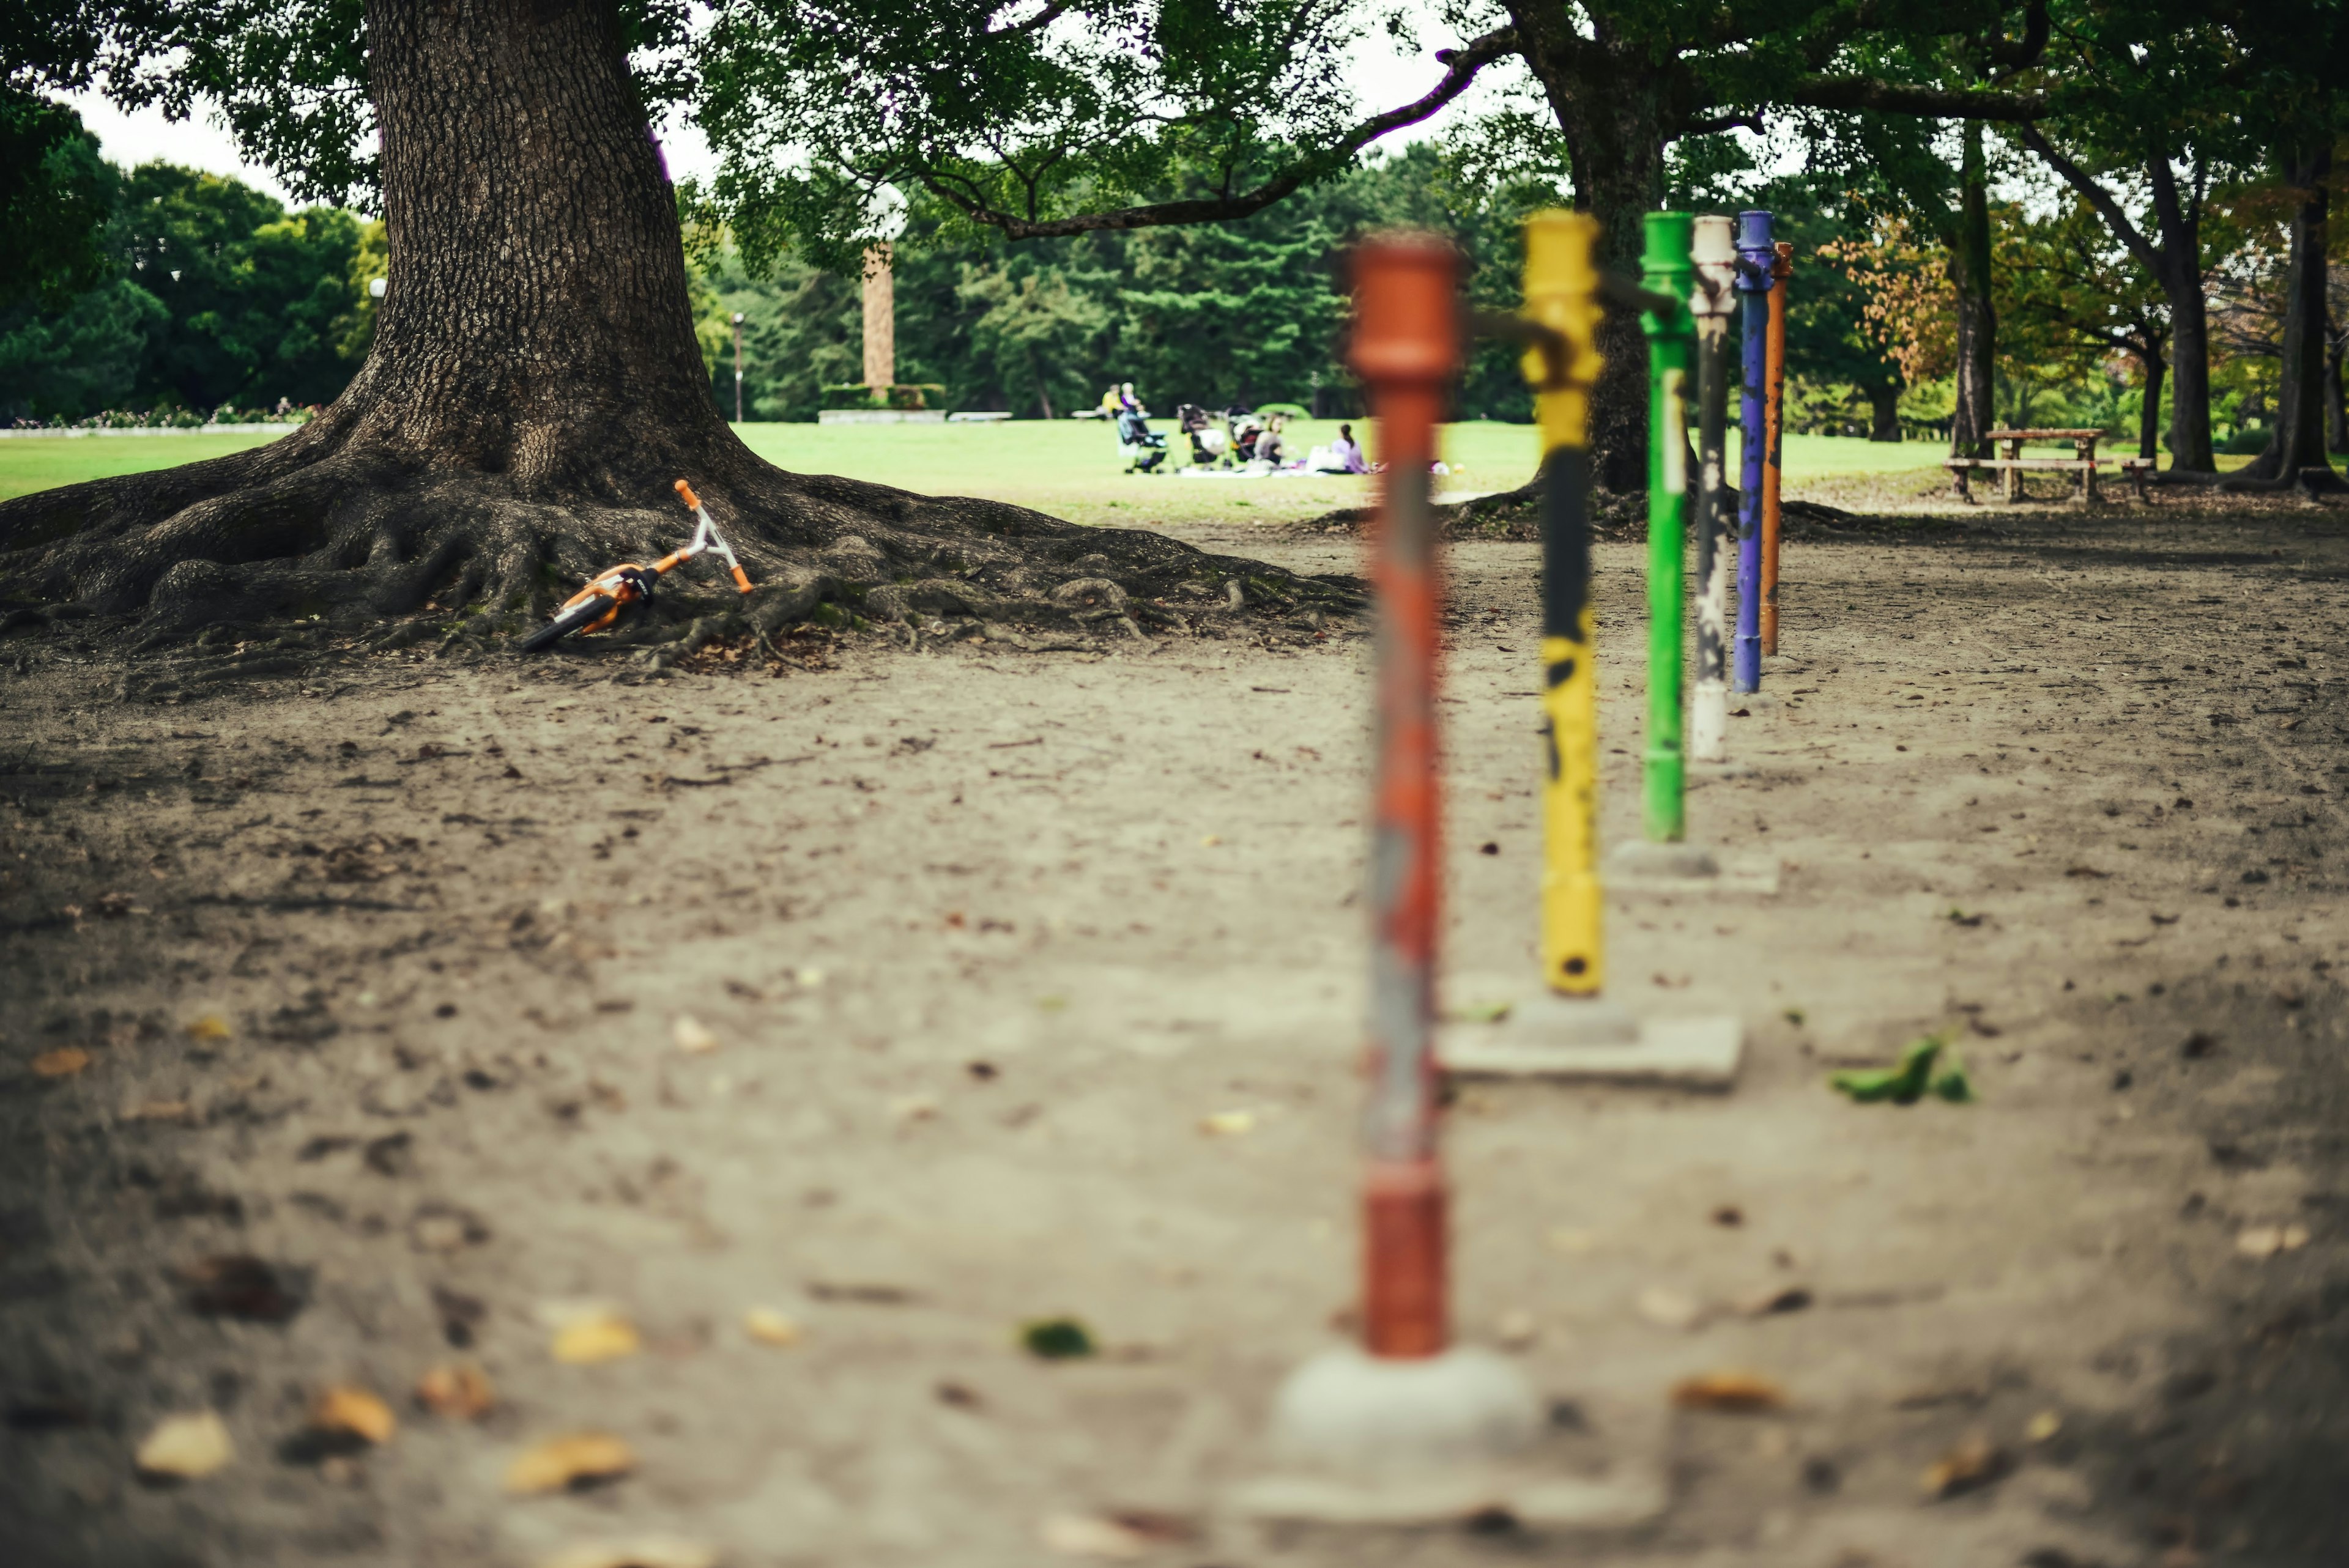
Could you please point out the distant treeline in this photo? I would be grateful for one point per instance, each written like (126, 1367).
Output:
(210, 292)
(203, 292)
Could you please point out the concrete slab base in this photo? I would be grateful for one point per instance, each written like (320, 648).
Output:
(1701, 1053)
(1356, 1441)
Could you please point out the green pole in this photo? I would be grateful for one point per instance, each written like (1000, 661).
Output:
(1671, 344)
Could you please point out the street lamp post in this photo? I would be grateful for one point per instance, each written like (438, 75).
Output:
(738, 367)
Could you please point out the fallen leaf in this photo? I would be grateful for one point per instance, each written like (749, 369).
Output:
(238, 1284)
(1927, 1066)
(579, 1459)
(651, 1551)
(597, 1335)
(1088, 1535)
(913, 1108)
(1209, 840)
(460, 1390)
(1774, 1299)
(1227, 1123)
(1481, 1012)
(1975, 1462)
(1153, 1525)
(1668, 1308)
(211, 1027)
(185, 1447)
(1935, 1394)
(1057, 1338)
(444, 1228)
(1738, 1393)
(1516, 1329)
(63, 1062)
(160, 1110)
(344, 1408)
(2044, 1426)
(768, 1326)
(693, 1036)
(2266, 1240)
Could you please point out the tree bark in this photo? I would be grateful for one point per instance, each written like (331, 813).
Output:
(2148, 419)
(2336, 406)
(1613, 98)
(1884, 413)
(1975, 414)
(2295, 453)
(533, 392)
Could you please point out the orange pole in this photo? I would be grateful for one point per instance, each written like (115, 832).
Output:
(1406, 350)
(1774, 423)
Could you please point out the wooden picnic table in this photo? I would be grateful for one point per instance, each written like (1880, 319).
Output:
(2011, 462)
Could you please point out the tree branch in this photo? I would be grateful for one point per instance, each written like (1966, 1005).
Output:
(2025, 50)
(1462, 66)
(1901, 98)
(1751, 119)
(1041, 20)
(2098, 197)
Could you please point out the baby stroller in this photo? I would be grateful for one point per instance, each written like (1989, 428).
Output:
(1208, 444)
(1143, 450)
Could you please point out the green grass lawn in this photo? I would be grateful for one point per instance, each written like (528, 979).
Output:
(1067, 468)
(43, 462)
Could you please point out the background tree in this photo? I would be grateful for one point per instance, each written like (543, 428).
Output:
(55, 196)
(2146, 100)
(1243, 312)
(1111, 114)
(2290, 56)
(2088, 301)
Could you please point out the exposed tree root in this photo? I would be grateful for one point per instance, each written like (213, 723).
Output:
(1615, 518)
(261, 562)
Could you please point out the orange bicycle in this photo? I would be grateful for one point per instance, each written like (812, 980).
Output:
(599, 603)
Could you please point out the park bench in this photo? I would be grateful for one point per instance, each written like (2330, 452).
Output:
(2011, 462)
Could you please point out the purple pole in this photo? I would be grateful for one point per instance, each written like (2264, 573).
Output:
(1755, 256)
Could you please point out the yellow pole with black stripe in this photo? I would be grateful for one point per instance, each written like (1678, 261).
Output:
(1561, 293)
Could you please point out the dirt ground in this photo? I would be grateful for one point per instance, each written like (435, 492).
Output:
(378, 977)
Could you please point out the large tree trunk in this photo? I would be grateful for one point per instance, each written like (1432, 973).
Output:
(2295, 453)
(533, 392)
(1611, 96)
(2190, 450)
(1884, 412)
(2336, 406)
(1975, 414)
(2148, 419)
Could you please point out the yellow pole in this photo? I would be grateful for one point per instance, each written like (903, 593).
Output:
(1561, 293)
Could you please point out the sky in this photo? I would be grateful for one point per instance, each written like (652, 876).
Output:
(1383, 78)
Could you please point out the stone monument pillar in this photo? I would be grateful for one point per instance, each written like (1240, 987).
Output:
(880, 320)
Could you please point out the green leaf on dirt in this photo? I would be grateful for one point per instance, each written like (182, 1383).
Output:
(1057, 1338)
(1913, 1079)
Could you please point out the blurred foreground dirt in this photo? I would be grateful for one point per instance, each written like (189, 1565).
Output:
(410, 1017)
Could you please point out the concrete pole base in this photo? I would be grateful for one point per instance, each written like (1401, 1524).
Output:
(1359, 1440)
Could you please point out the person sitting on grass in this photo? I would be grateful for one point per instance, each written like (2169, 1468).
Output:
(1342, 456)
(1271, 446)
